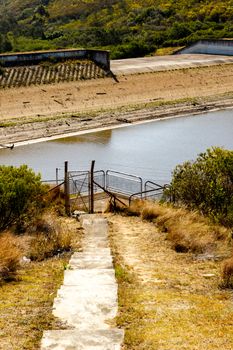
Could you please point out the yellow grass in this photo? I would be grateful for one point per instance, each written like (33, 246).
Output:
(10, 254)
(26, 304)
(50, 237)
(26, 301)
(167, 300)
(186, 230)
(227, 273)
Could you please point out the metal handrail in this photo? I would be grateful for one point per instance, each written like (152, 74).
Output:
(112, 195)
(144, 192)
(121, 173)
(130, 177)
(153, 183)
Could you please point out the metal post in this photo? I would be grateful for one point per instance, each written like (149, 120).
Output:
(92, 188)
(66, 189)
(57, 176)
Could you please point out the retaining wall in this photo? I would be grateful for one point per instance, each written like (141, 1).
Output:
(210, 47)
(100, 57)
(17, 76)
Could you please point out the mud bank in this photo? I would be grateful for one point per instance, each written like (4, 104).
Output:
(70, 125)
(64, 109)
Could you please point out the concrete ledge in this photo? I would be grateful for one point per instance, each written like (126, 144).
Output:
(209, 47)
(100, 57)
(84, 340)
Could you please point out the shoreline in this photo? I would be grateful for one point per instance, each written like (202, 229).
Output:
(41, 113)
(68, 126)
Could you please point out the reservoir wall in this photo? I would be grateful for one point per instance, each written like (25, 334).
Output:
(209, 47)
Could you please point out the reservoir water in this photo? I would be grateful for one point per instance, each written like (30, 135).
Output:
(150, 150)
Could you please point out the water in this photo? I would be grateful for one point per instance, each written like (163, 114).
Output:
(149, 150)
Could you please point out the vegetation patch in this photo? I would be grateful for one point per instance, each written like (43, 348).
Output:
(128, 28)
(35, 250)
(171, 300)
(206, 184)
(10, 254)
(188, 231)
(50, 236)
(26, 304)
(20, 194)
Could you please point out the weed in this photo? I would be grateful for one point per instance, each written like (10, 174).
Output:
(227, 273)
(9, 257)
(186, 230)
(1, 71)
(49, 238)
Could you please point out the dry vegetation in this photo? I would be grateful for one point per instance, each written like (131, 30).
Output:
(10, 255)
(188, 231)
(169, 299)
(31, 270)
(51, 236)
(26, 304)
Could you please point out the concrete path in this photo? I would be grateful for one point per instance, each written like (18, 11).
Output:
(160, 63)
(87, 301)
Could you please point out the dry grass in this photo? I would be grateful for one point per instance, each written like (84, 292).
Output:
(10, 254)
(227, 273)
(26, 302)
(167, 301)
(55, 198)
(50, 237)
(187, 231)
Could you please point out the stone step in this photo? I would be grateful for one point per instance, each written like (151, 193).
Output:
(82, 340)
(90, 263)
(95, 277)
(80, 291)
(87, 300)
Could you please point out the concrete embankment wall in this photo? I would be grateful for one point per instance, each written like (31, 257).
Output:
(46, 67)
(210, 47)
(42, 74)
(100, 57)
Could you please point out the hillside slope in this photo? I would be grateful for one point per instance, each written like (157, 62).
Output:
(128, 28)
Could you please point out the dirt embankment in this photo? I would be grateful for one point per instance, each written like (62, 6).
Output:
(44, 111)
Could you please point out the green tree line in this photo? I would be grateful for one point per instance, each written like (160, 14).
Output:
(128, 28)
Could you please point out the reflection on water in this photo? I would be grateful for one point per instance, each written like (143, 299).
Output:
(149, 150)
(100, 137)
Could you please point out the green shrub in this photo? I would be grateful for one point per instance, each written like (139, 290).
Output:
(20, 191)
(1, 70)
(206, 184)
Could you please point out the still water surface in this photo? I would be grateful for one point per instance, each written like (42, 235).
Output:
(150, 150)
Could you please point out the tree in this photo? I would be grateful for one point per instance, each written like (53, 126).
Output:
(5, 44)
(206, 184)
(20, 191)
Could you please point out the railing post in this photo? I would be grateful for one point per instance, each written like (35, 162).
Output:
(57, 169)
(92, 188)
(66, 189)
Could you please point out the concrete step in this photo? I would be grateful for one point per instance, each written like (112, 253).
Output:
(87, 300)
(94, 277)
(82, 340)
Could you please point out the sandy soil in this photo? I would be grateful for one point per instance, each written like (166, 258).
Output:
(53, 103)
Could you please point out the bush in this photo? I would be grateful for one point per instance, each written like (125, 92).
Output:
(206, 184)
(131, 49)
(49, 238)
(20, 191)
(227, 273)
(188, 231)
(9, 257)
(1, 70)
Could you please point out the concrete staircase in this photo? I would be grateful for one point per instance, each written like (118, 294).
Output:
(87, 301)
